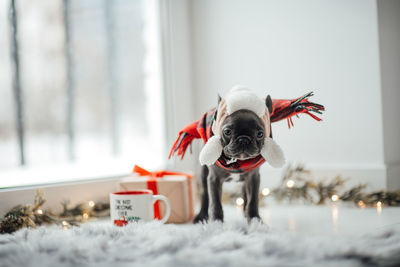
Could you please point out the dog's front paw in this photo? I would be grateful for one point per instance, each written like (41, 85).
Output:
(252, 215)
(217, 214)
(217, 219)
(255, 219)
(200, 218)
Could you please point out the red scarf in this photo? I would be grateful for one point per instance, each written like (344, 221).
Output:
(281, 109)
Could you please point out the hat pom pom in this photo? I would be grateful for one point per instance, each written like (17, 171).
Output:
(211, 151)
(272, 153)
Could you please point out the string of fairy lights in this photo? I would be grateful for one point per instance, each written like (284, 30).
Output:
(34, 215)
(297, 185)
(266, 192)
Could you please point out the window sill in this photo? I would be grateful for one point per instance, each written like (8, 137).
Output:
(61, 174)
(25, 177)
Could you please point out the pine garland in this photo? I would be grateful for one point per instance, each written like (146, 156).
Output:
(297, 184)
(33, 215)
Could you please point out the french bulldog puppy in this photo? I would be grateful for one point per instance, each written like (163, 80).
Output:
(242, 137)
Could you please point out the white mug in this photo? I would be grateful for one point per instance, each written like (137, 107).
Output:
(136, 205)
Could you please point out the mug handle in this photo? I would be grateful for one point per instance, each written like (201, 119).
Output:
(165, 199)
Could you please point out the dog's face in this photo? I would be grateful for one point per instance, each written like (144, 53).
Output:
(242, 135)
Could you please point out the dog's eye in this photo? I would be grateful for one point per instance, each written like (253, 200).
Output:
(260, 134)
(227, 132)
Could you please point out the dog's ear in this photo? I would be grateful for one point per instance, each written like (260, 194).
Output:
(268, 102)
(216, 112)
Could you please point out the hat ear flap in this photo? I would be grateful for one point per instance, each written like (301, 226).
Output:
(211, 151)
(272, 153)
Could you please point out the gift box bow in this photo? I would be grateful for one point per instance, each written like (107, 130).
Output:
(152, 185)
(157, 174)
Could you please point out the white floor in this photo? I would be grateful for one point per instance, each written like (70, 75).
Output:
(297, 236)
(332, 219)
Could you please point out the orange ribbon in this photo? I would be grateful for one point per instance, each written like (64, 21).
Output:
(152, 185)
(158, 174)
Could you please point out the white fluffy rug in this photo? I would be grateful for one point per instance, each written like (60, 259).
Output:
(213, 244)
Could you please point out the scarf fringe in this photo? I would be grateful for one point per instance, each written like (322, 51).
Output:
(286, 109)
(181, 144)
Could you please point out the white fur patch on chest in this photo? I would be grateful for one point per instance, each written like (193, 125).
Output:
(235, 177)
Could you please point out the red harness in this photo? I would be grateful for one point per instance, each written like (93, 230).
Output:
(281, 109)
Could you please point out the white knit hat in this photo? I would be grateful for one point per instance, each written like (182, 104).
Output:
(240, 98)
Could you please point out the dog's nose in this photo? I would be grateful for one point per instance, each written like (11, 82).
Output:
(243, 140)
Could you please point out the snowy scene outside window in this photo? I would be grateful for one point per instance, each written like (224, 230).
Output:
(89, 84)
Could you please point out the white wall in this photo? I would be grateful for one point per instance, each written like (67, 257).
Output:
(389, 42)
(287, 48)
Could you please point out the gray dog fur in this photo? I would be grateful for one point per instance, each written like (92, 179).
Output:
(241, 139)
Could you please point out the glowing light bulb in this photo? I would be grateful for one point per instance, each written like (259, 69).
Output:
(91, 203)
(379, 207)
(85, 215)
(39, 211)
(266, 191)
(239, 201)
(290, 183)
(65, 225)
(335, 197)
(361, 204)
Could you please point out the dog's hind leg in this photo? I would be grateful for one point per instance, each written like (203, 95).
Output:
(203, 214)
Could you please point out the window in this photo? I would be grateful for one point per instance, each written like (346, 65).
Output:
(89, 81)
